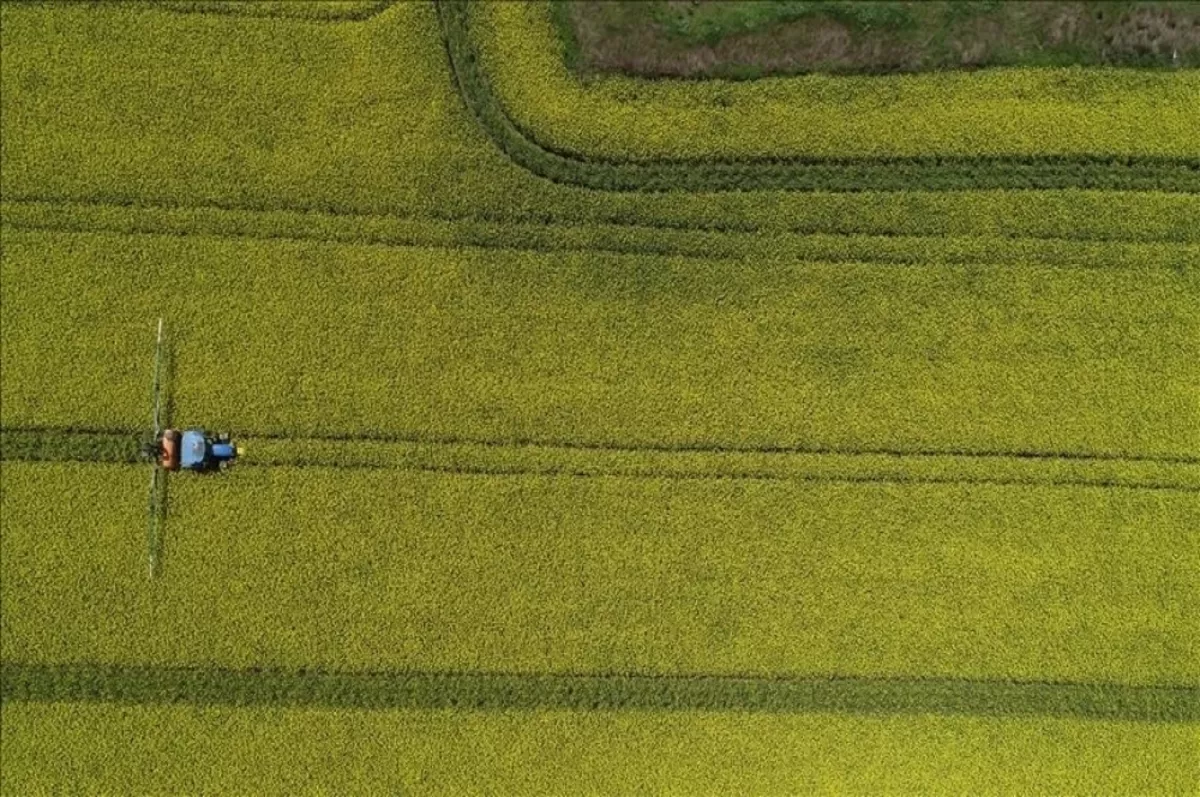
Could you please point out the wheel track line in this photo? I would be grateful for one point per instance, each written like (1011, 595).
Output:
(863, 257)
(378, 690)
(667, 448)
(494, 458)
(303, 214)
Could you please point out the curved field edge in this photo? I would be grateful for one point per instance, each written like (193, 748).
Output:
(998, 113)
(813, 174)
(499, 691)
(500, 458)
(186, 749)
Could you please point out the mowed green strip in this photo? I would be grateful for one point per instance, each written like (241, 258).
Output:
(314, 339)
(185, 749)
(311, 567)
(504, 692)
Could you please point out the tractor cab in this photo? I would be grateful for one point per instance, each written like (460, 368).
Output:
(196, 450)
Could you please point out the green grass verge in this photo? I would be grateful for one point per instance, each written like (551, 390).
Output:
(552, 574)
(185, 749)
(500, 692)
(312, 339)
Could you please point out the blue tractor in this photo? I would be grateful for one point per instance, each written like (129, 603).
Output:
(195, 449)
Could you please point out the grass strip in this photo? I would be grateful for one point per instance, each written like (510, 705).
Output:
(932, 173)
(566, 459)
(740, 41)
(492, 692)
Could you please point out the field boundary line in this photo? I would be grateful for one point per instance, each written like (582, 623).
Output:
(931, 173)
(500, 459)
(483, 691)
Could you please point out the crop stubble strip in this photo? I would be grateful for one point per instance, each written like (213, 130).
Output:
(798, 174)
(517, 458)
(504, 691)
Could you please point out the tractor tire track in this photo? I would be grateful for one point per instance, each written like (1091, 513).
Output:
(22, 211)
(566, 459)
(481, 691)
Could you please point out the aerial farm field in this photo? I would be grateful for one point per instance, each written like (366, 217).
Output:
(802, 434)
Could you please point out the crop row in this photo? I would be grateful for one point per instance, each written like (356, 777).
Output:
(320, 339)
(398, 570)
(492, 691)
(122, 749)
(89, 121)
(483, 458)
(510, 68)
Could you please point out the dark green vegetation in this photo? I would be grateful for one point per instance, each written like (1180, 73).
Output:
(753, 38)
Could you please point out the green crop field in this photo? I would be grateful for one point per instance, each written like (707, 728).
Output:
(805, 434)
